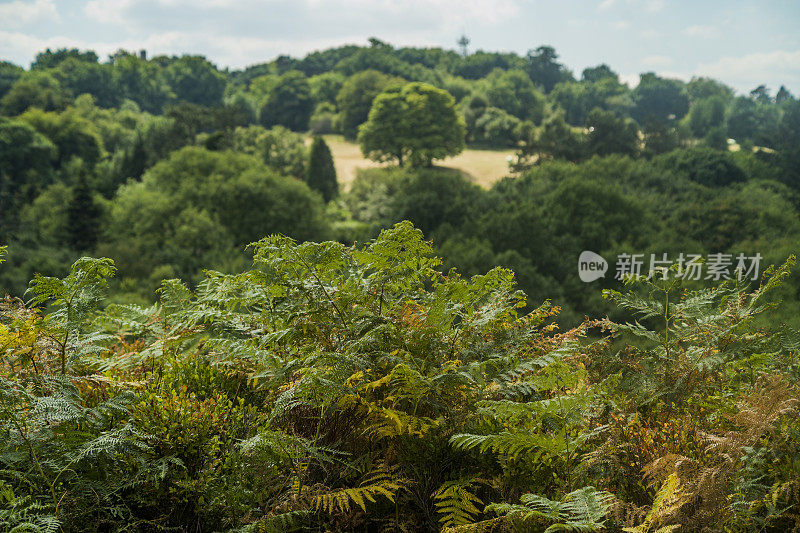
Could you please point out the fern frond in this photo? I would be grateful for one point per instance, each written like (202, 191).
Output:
(669, 498)
(643, 307)
(284, 522)
(586, 509)
(509, 444)
(381, 481)
(583, 510)
(342, 499)
(484, 526)
(456, 503)
(393, 422)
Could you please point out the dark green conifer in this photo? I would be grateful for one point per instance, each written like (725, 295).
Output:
(83, 217)
(135, 160)
(321, 174)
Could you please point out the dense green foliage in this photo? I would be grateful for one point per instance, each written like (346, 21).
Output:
(169, 164)
(355, 97)
(337, 388)
(288, 102)
(690, 201)
(227, 201)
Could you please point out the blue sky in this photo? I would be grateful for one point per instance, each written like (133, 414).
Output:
(742, 43)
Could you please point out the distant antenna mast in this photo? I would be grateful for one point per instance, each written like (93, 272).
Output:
(463, 42)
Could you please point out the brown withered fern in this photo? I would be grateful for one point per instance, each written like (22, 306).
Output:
(699, 492)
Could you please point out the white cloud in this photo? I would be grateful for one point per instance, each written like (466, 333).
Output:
(654, 5)
(706, 32)
(748, 71)
(19, 12)
(657, 61)
(450, 13)
(649, 33)
(649, 5)
(199, 3)
(107, 11)
(20, 48)
(621, 24)
(631, 80)
(117, 11)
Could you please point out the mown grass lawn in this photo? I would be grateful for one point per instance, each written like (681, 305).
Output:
(484, 167)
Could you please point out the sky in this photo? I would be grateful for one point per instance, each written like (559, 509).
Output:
(742, 43)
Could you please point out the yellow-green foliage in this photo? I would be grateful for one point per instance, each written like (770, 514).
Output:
(456, 504)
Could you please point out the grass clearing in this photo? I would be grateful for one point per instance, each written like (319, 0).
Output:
(483, 167)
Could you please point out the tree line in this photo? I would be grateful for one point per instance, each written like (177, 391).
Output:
(169, 164)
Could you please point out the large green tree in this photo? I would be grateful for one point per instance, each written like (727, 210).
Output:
(53, 58)
(325, 87)
(789, 142)
(609, 134)
(783, 95)
(9, 74)
(281, 150)
(660, 98)
(289, 102)
(74, 135)
(749, 120)
(34, 89)
(141, 81)
(513, 92)
(416, 123)
(355, 99)
(600, 72)
(699, 88)
(706, 114)
(496, 128)
(195, 80)
(704, 166)
(544, 69)
(659, 137)
(84, 77)
(25, 159)
(576, 99)
(557, 140)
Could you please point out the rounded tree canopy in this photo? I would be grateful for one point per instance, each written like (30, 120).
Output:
(415, 123)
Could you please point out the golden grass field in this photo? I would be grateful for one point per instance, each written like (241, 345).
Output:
(484, 167)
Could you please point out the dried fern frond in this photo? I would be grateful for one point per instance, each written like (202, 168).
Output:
(701, 494)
